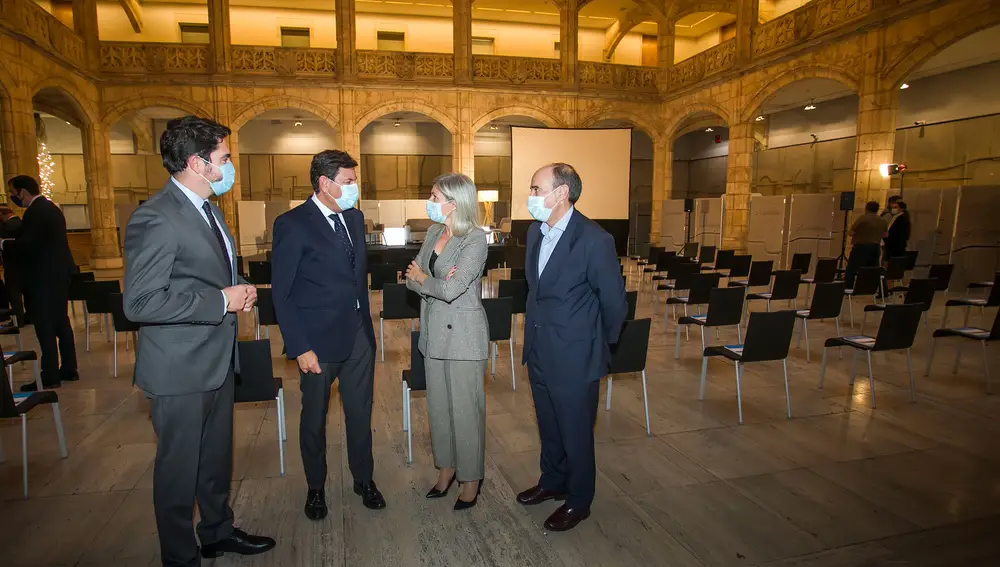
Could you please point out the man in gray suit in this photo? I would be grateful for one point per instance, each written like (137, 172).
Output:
(181, 287)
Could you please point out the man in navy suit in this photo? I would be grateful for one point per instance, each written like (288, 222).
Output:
(576, 307)
(320, 289)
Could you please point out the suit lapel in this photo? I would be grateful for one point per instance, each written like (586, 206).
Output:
(194, 217)
(356, 228)
(533, 251)
(566, 242)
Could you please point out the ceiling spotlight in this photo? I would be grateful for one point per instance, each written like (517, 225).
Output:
(709, 130)
(67, 122)
(904, 86)
(759, 118)
(493, 127)
(810, 106)
(396, 123)
(298, 123)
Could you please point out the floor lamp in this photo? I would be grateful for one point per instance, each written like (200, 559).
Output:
(890, 169)
(487, 198)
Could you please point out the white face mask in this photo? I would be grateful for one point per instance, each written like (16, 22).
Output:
(537, 208)
(348, 195)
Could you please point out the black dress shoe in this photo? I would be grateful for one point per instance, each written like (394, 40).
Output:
(435, 493)
(370, 495)
(70, 377)
(238, 542)
(463, 505)
(32, 387)
(316, 505)
(565, 518)
(536, 495)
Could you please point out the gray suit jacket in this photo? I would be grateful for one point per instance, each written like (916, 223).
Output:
(452, 320)
(174, 271)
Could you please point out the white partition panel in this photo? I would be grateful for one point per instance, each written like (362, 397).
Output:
(673, 225)
(392, 213)
(415, 209)
(253, 227)
(925, 208)
(766, 233)
(976, 237)
(370, 209)
(811, 221)
(946, 226)
(707, 230)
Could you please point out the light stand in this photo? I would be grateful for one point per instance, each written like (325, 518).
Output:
(842, 259)
(890, 169)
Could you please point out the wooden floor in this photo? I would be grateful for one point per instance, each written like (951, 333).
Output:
(907, 484)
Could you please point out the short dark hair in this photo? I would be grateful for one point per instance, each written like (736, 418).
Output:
(328, 163)
(871, 207)
(564, 174)
(901, 204)
(189, 136)
(26, 182)
(894, 198)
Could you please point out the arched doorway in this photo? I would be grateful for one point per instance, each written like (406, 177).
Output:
(401, 155)
(700, 148)
(492, 154)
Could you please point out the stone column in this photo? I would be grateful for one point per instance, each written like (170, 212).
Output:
(739, 171)
(665, 52)
(85, 24)
(569, 42)
(221, 40)
(746, 21)
(228, 203)
(18, 137)
(105, 253)
(463, 142)
(462, 22)
(876, 134)
(347, 54)
(663, 156)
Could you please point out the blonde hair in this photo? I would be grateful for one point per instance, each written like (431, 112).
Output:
(461, 190)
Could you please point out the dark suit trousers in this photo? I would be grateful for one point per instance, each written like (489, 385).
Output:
(862, 256)
(194, 460)
(357, 379)
(47, 307)
(566, 414)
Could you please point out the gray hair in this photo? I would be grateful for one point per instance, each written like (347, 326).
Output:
(565, 174)
(461, 190)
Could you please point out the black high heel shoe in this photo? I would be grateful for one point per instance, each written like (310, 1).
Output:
(463, 505)
(435, 493)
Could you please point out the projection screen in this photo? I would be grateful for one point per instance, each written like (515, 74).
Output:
(602, 157)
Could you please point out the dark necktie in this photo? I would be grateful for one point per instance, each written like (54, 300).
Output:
(218, 233)
(345, 241)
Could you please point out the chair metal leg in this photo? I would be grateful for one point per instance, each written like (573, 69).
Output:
(38, 374)
(267, 332)
(930, 357)
(404, 405)
(805, 331)
(493, 359)
(986, 369)
(284, 425)
(126, 341)
(256, 320)
(739, 335)
(850, 308)
(513, 332)
(704, 372)
(687, 331)
(871, 378)
(281, 442)
(412, 323)
(409, 430)
(24, 453)
(702, 338)
(107, 327)
(381, 338)
(677, 347)
(798, 333)
(57, 419)
(909, 371)
(822, 369)
(607, 394)
(788, 397)
(840, 350)
(513, 377)
(739, 396)
(645, 402)
(17, 340)
(958, 355)
(116, 356)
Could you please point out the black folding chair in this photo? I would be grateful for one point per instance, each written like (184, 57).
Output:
(722, 259)
(801, 261)
(739, 267)
(826, 272)
(264, 312)
(992, 300)
(78, 290)
(699, 286)
(256, 382)
(498, 315)
(517, 274)
(690, 250)
(706, 256)
(629, 356)
(895, 271)
(260, 272)
(240, 269)
(382, 275)
(919, 292)
(99, 302)
(867, 282)
(398, 303)
(12, 327)
(518, 291)
(973, 333)
(784, 288)
(494, 260)
(827, 303)
(678, 278)
(631, 298)
(664, 260)
(414, 380)
(121, 324)
(769, 336)
(725, 309)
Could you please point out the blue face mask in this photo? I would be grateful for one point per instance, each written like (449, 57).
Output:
(222, 186)
(348, 196)
(435, 213)
(16, 200)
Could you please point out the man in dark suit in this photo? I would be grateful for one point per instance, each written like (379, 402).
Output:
(10, 293)
(42, 253)
(320, 290)
(576, 307)
(181, 287)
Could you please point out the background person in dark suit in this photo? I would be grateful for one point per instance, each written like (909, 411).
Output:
(899, 231)
(10, 293)
(181, 287)
(320, 290)
(576, 307)
(41, 251)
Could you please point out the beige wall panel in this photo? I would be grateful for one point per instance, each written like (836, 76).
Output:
(766, 234)
(811, 220)
(673, 223)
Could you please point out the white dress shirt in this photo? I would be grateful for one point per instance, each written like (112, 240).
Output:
(327, 211)
(550, 237)
(198, 203)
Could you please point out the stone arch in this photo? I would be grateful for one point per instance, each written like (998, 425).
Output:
(518, 110)
(909, 56)
(676, 121)
(727, 6)
(647, 127)
(407, 106)
(771, 87)
(122, 108)
(258, 107)
(87, 113)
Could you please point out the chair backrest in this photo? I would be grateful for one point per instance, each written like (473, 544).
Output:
(98, 296)
(994, 298)
(255, 382)
(739, 266)
(683, 273)
(801, 262)
(514, 256)
(701, 288)
(707, 255)
(7, 406)
(399, 302)
(494, 258)
(518, 274)
(498, 317)
(911, 259)
(769, 336)
(868, 281)
(417, 379)
(517, 290)
(723, 259)
(786, 284)
(77, 285)
(665, 259)
(760, 273)
(941, 274)
(382, 274)
(826, 270)
(896, 268)
(827, 301)
(259, 272)
(629, 354)
(995, 330)
(690, 250)
(118, 319)
(631, 298)
(920, 290)
(898, 327)
(265, 307)
(725, 306)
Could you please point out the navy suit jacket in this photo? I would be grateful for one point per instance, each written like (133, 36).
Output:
(577, 307)
(315, 290)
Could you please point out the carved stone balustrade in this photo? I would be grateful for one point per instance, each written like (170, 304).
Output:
(407, 66)
(127, 57)
(515, 70)
(618, 77)
(284, 61)
(710, 62)
(809, 21)
(31, 20)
